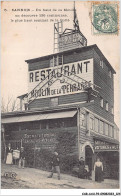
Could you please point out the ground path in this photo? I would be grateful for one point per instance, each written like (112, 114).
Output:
(31, 178)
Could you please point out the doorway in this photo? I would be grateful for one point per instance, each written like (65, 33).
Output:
(88, 157)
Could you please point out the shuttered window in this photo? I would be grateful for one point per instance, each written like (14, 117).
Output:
(106, 129)
(91, 123)
(106, 106)
(83, 119)
(101, 102)
(111, 131)
(101, 127)
(96, 124)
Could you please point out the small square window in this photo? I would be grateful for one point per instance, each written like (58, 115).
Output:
(101, 102)
(106, 106)
(54, 101)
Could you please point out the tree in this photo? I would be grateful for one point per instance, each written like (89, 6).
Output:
(10, 105)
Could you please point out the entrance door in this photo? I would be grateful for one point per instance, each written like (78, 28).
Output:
(88, 157)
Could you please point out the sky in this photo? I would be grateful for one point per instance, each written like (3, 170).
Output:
(26, 40)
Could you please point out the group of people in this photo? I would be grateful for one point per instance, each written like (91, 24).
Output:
(83, 172)
(20, 158)
(83, 169)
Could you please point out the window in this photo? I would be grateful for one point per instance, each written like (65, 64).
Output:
(51, 62)
(101, 63)
(56, 60)
(60, 60)
(101, 127)
(110, 131)
(83, 116)
(85, 42)
(96, 125)
(106, 129)
(101, 102)
(54, 101)
(112, 110)
(26, 126)
(54, 124)
(59, 123)
(115, 134)
(109, 73)
(35, 125)
(91, 123)
(43, 124)
(106, 106)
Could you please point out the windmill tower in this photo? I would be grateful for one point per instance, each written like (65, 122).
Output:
(69, 38)
(63, 40)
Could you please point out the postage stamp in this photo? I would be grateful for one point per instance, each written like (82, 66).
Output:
(105, 18)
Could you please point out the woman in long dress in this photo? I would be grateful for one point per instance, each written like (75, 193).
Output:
(98, 168)
(9, 158)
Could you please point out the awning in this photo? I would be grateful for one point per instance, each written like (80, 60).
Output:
(103, 138)
(37, 117)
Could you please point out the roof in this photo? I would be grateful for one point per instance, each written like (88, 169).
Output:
(22, 96)
(38, 117)
(45, 110)
(95, 47)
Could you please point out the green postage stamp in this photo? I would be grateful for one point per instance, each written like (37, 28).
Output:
(105, 18)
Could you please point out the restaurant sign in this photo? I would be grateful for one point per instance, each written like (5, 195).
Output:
(105, 146)
(62, 79)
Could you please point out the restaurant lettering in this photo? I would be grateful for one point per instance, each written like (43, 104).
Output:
(105, 146)
(83, 69)
(68, 70)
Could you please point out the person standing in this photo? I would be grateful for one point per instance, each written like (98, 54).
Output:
(9, 158)
(55, 165)
(98, 168)
(22, 158)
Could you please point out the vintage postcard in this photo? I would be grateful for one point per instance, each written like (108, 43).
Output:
(60, 96)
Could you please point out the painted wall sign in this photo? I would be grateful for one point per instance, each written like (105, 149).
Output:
(83, 69)
(105, 146)
(43, 138)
